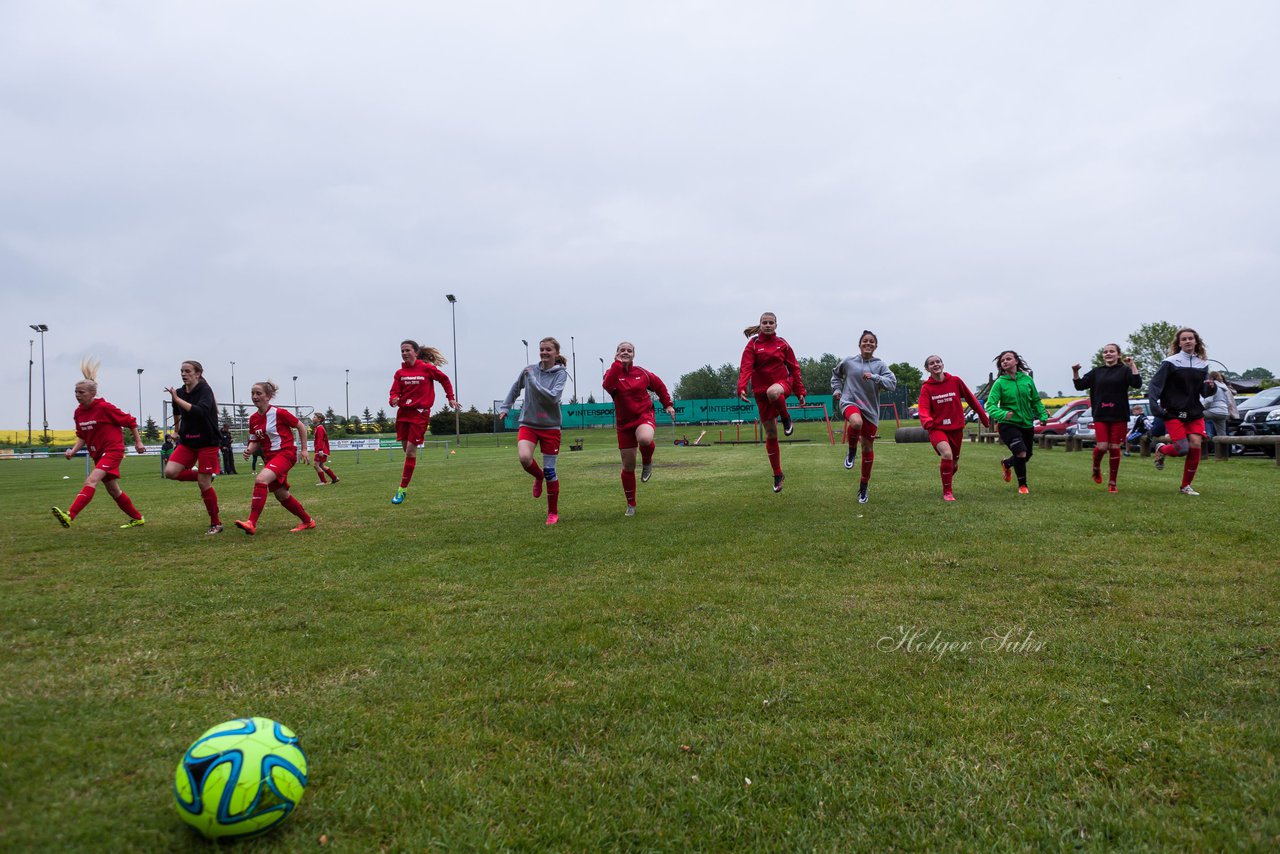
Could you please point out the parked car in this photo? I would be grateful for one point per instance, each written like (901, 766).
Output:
(1260, 416)
(1084, 424)
(1064, 417)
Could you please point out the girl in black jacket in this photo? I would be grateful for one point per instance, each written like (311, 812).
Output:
(1108, 386)
(1175, 393)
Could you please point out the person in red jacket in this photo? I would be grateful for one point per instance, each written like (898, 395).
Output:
(320, 449)
(629, 386)
(413, 392)
(770, 364)
(271, 431)
(942, 399)
(98, 426)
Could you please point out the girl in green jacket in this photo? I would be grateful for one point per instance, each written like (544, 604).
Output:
(1014, 404)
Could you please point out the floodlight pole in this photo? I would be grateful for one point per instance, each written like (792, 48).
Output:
(348, 395)
(526, 350)
(139, 392)
(601, 358)
(457, 426)
(42, 328)
(31, 362)
(233, 389)
(295, 395)
(574, 355)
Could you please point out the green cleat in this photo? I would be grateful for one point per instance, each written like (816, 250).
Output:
(134, 523)
(61, 515)
(398, 498)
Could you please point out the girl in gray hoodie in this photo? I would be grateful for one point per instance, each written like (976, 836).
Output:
(542, 384)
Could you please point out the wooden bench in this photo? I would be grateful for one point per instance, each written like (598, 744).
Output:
(576, 445)
(1048, 440)
(1222, 445)
(990, 436)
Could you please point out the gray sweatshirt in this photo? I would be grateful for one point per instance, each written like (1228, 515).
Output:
(542, 390)
(853, 390)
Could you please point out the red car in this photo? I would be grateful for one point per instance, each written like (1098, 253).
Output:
(1064, 417)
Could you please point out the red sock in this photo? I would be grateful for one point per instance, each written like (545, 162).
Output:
(629, 486)
(852, 436)
(210, 499)
(82, 500)
(775, 455)
(257, 502)
(868, 460)
(187, 475)
(646, 453)
(947, 469)
(534, 469)
(553, 496)
(1097, 458)
(1190, 466)
(409, 463)
(780, 408)
(294, 506)
(123, 502)
(333, 477)
(1113, 462)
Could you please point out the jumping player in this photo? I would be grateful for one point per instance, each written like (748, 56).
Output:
(320, 446)
(942, 399)
(855, 384)
(98, 426)
(629, 386)
(271, 431)
(1108, 386)
(195, 413)
(1175, 393)
(1013, 402)
(542, 384)
(412, 393)
(770, 364)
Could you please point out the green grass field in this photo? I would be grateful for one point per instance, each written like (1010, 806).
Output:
(464, 677)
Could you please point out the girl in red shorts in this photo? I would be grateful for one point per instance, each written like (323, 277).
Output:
(271, 431)
(542, 385)
(942, 399)
(856, 384)
(1175, 393)
(770, 364)
(320, 443)
(195, 415)
(629, 386)
(98, 426)
(1108, 386)
(413, 392)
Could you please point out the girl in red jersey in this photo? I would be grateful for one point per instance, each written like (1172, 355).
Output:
(98, 426)
(195, 415)
(770, 364)
(542, 385)
(1175, 393)
(412, 393)
(942, 399)
(320, 444)
(1108, 386)
(271, 431)
(629, 386)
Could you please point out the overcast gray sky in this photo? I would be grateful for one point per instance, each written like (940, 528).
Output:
(295, 186)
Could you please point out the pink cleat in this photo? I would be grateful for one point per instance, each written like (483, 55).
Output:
(947, 496)
(248, 527)
(537, 488)
(552, 518)
(305, 526)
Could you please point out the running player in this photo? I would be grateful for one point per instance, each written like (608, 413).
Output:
(412, 392)
(855, 384)
(98, 426)
(1013, 402)
(942, 399)
(770, 364)
(629, 386)
(1108, 386)
(1175, 393)
(320, 446)
(195, 414)
(542, 384)
(271, 431)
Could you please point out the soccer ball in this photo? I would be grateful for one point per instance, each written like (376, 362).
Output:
(240, 778)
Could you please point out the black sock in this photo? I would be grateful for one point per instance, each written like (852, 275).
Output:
(1020, 468)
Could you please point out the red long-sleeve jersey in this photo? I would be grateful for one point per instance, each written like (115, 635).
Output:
(273, 431)
(320, 440)
(98, 426)
(768, 359)
(941, 404)
(413, 386)
(629, 387)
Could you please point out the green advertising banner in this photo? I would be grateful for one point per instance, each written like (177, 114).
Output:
(725, 410)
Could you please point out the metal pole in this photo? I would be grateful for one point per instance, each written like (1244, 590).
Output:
(295, 395)
(44, 389)
(601, 358)
(573, 353)
(140, 393)
(457, 424)
(526, 351)
(31, 363)
(348, 397)
(233, 391)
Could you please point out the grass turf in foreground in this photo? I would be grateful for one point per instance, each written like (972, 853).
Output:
(462, 676)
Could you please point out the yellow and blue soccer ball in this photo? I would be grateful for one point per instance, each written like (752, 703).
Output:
(240, 778)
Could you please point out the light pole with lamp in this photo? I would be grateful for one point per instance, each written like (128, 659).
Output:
(31, 363)
(42, 328)
(348, 396)
(233, 387)
(601, 358)
(295, 395)
(526, 350)
(457, 427)
(139, 394)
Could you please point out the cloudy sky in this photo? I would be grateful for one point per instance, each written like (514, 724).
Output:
(295, 186)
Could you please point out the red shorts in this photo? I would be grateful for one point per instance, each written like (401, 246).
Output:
(1179, 430)
(1111, 432)
(280, 463)
(411, 431)
(109, 462)
(203, 460)
(320, 456)
(766, 407)
(869, 430)
(627, 435)
(548, 441)
(954, 438)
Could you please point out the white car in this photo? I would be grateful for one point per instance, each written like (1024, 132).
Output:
(1083, 428)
